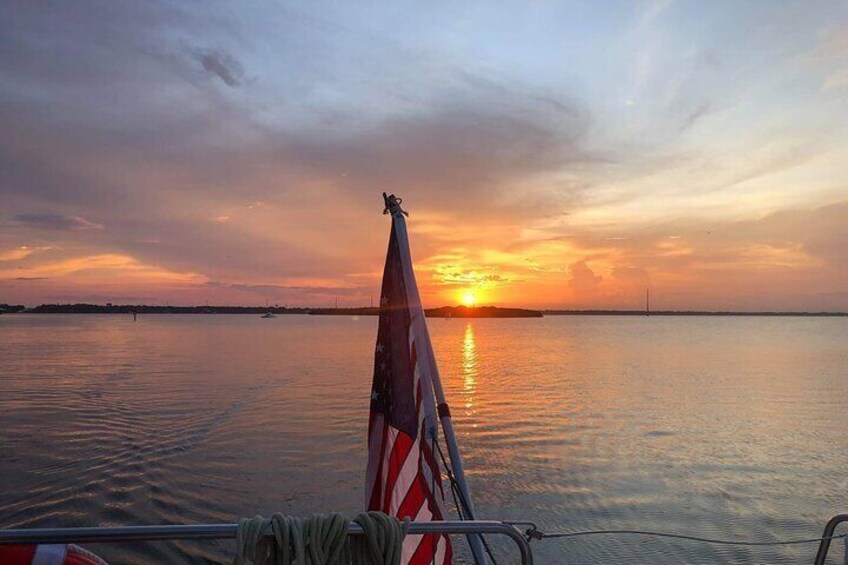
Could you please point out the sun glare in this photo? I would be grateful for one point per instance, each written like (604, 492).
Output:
(469, 299)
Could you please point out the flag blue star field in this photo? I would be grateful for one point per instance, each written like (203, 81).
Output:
(403, 477)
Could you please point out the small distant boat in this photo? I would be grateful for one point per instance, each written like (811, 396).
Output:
(269, 315)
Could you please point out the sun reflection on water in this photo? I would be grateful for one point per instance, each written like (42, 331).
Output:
(469, 367)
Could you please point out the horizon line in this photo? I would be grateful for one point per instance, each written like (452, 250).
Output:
(551, 310)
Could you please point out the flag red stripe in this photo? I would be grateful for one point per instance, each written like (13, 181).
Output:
(415, 497)
(400, 451)
(426, 548)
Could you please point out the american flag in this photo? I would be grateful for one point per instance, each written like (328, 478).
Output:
(403, 477)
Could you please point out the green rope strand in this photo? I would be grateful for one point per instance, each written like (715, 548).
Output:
(319, 540)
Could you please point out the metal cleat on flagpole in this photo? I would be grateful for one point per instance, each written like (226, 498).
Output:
(393, 205)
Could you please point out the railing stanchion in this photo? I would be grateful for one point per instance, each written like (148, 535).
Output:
(824, 546)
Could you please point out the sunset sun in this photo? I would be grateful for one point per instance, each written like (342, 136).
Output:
(469, 298)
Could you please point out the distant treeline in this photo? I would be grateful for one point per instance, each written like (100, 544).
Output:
(147, 309)
(443, 312)
(681, 313)
(481, 312)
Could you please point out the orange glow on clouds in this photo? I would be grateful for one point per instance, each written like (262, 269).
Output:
(762, 264)
(114, 267)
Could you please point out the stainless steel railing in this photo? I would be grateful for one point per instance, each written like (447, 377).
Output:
(228, 531)
(827, 536)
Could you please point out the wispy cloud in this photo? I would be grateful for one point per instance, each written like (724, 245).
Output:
(837, 80)
(694, 115)
(220, 64)
(582, 279)
(115, 266)
(56, 222)
(18, 253)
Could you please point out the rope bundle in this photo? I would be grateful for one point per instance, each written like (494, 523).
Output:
(319, 540)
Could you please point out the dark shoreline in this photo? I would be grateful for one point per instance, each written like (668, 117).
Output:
(692, 313)
(441, 312)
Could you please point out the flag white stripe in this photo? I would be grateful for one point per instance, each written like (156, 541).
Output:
(441, 548)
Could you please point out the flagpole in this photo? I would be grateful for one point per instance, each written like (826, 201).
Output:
(474, 540)
(456, 463)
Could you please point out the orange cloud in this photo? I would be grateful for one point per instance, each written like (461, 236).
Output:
(784, 260)
(18, 253)
(107, 267)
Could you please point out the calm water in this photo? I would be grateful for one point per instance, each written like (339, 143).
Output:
(725, 427)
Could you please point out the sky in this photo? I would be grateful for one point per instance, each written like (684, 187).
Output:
(550, 154)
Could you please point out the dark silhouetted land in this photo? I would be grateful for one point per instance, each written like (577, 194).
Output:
(682, 313)
(481, 312)
(148, 309)
(442, 312)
